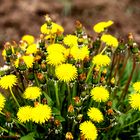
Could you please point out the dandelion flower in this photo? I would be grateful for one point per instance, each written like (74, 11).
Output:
(32, 93)
(136, 86)
(95, 114)
(101, 26)
(29, 39)
(79, 53)
(110, 40)
(70, 40)
(100, 94)
(55, 58)
(66, 72)
(101, 60)
(52, 29)
(24, 114)
(8, 81)
(31, 49)
(2, 101)
(55, 48)
(41, 113)
(88, 130)
(134, 100)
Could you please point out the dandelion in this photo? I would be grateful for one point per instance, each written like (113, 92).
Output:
(41, 113)
(66, 72)
(55, 48)
(95, 114)
(55, 58)
(110, 40)
(79, 53)
(24, 114)
(134, 100)
(100, 94)
(32, 93)
(2, 101)
(70, 40)
(101, 60)
(101, 26)
(31, 49)
(8, 81)
(88, 130)
(29, 39)
(136, 86)
(52, 29)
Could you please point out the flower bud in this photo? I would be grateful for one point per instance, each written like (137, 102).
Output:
(77, 101)
(57, 123)
(8, 48)
(69, 136)
(70, 110)
(79, 117)
(110, 112)
(41, 78)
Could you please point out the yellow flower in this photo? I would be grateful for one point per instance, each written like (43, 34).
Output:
(51, 30)
(4, 51)
(95, 114)
(79, 53)
(2, 101)
(100, 94)
(101, 60)
(28, 60)
(55, 48)
(24, 114)
(31, 49)
(55, 58)
(8, 81)
(70, 40)
(29, 39)
(136, 86)
(66, 72)
(41, 113)
(32, 93)
(101, 26)
(110, 40)
(88, 130)
(134, 100)
(66, 52)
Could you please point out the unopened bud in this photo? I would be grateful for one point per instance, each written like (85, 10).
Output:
(69, 136)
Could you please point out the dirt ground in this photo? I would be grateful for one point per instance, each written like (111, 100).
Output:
(19, 17)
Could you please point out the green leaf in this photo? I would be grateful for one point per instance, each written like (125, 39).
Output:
(60, 118)
(49, 100)
(30, 136)
(55, 111)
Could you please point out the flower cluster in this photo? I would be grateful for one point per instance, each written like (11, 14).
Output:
(69, 86)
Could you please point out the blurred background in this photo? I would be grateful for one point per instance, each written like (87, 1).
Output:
(20, 17)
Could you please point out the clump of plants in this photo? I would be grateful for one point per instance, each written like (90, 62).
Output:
(72, 87)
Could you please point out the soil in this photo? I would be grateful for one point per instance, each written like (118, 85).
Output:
(19, 17)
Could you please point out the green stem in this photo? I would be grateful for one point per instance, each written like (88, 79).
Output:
(69, 94)
(56, 94)
(131, 123)
(89, 72)
(103, 50)
(74, 89)
(3, 129)
(14, 97)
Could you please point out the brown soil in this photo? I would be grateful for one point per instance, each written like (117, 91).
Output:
(19, 17)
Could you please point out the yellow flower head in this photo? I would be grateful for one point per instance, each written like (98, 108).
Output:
(66, 72)
(2, 101)
(28, 60)
(31, 49)
(32, 93)
(136, 86)
(79, 53)
(110, 40)
(101, 26)
(8, 81)
(24, 114)
(41, 113)
(55, 58)
(29, 39)
(70, 40)
(95, 114)
(88, 130)
(51, 30)
(100, 94)
(55, 48)
(101, 60)
(134, 100)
